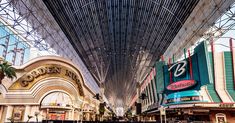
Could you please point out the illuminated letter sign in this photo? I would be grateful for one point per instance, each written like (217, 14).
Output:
(180, 69)
(46, 71)
(183, 84)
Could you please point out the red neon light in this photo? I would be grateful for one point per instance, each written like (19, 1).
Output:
(133, 100)
(190, 64)
(169, 62)
(154, 72)
(183, 84)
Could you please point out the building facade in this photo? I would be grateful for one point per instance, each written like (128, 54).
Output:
(199, 87)
(47, 88)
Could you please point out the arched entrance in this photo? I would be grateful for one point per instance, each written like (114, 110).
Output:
(57, 106)
(46, 88)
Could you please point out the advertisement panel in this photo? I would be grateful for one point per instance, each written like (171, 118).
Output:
(183, 79)
(182, 75)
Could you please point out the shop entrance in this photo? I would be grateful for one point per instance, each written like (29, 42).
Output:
(57, 106)
(56, 115)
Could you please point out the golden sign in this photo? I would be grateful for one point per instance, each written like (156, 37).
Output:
(44, 72)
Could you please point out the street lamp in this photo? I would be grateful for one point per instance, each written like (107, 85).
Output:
(143, 96)
(97, 96)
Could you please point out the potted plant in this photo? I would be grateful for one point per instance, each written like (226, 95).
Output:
(6, 70)
(11, 119)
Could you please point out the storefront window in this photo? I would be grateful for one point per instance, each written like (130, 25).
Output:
(57, 105)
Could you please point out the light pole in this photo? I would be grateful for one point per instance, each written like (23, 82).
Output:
(142, 97)
(82, 108)
(36, 114)
(163, 113)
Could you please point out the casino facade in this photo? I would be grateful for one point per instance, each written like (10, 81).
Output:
(47, 88)
(198, 87)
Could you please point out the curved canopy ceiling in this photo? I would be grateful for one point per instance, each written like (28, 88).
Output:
(120, 40)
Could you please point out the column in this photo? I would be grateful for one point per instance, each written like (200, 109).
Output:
(102, 90)
(9, 113)
(138, 92)
(48, 116)
(35, 109)
(1, 112)
(26, 112)
(72, 115)
(88, 116)
(79, 115)
(75, 115)
(138, 99)
(149, 94)
(102, 95)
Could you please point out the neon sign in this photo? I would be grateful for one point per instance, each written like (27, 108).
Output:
(180, 85)
(183, 99)
(180, 69)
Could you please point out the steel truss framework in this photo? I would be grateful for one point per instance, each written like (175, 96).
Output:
(214, 25)
(46, 30)
(20, 25)
(131, 34)
(13, 48)
(224, 24)
(31, 20)
(122, 38)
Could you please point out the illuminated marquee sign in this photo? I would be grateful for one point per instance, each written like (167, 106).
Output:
(179, 69)
(31, 76)
(226, 105)
(180, 85)
(183, 99)
(153, 106)
(46, 71)
(183, 79)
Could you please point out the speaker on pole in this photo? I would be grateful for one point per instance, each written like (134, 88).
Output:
(138, 108)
